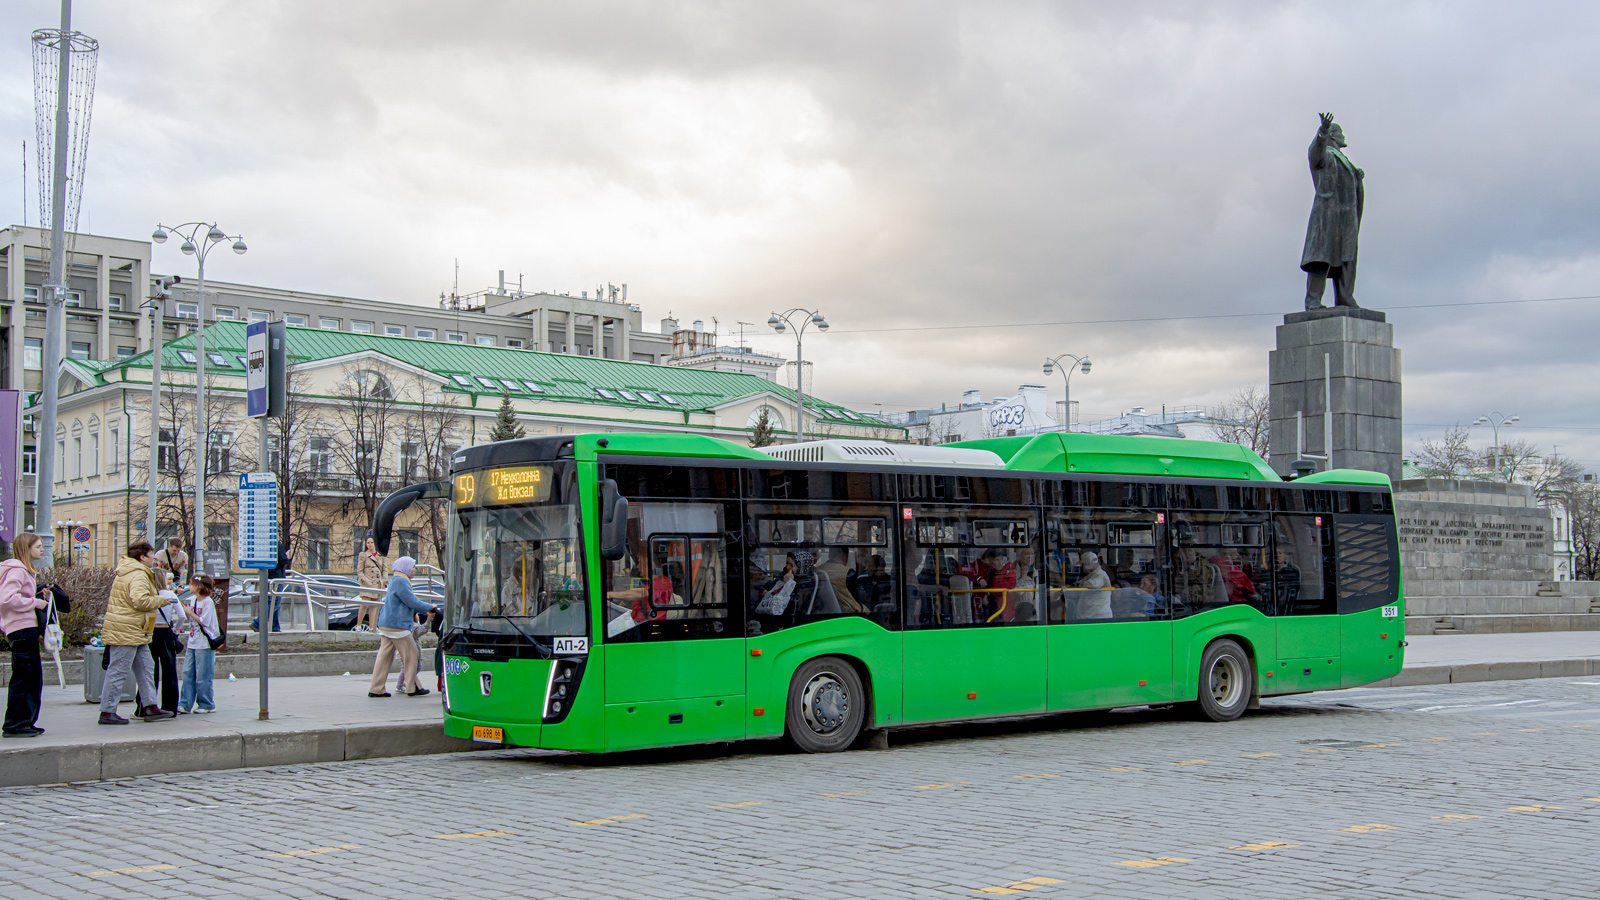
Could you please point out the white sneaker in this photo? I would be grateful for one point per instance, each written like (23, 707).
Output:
(202, 712)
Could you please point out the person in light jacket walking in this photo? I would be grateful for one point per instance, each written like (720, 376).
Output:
(18, 606)
(400, 604)
(130, 620)
(373, 573)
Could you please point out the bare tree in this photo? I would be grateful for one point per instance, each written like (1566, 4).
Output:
(935, 431)
(370, 413)
(1583, 515)
(1552, 477)
(289, 458)
(174, 432)
(435, 426)
(1449, 457)
(1246, 419)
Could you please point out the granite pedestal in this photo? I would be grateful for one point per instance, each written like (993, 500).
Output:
(1356, 348)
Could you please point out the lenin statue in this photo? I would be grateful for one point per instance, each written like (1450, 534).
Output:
(1330, 250)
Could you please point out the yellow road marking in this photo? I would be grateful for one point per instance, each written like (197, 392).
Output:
(1533, 807)
(607, 821)
(1120, 769)
(846, 794)
(1191, 762)
(1583, 726)
(133, 871)
(736, 805)
(1376, 745)
(1591, 799)
(1530, 729)
(934, 787)
(1436, 739)
(1260, 755)
(1036, 776)
(1365, 829)
(1265, 845)
(1017, 887)
(316, 852)
(473, 834)
(1455, 817)
(1485, 733)
(1152, 863)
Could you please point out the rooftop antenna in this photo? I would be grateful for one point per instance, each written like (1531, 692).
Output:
(713, 332)
(741, 334)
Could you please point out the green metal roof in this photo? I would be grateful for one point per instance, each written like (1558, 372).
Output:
(566, 378)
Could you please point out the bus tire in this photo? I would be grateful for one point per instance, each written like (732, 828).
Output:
(1226, 681)
(827, 706)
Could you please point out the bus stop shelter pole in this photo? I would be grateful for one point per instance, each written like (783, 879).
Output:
(263, 618)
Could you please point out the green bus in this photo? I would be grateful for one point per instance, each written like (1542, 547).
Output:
(612, 592)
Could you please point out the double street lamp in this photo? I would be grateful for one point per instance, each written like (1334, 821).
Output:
(199, 239)
(1497, 421)
(785, 321)
(1079, 363)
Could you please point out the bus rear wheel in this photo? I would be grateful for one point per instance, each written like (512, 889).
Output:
(1226, 681)
(827, 706)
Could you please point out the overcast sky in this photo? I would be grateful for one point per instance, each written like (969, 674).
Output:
(896, 165)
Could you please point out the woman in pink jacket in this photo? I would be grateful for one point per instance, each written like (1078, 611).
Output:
(18, 603)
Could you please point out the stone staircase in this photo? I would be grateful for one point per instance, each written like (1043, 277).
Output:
(1445, 626)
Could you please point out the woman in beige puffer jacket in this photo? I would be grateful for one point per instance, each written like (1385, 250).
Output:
(130, 619)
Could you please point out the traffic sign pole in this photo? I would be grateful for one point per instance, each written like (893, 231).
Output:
(266, 388)
(263, 589)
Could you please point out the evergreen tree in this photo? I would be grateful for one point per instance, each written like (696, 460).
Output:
(505, 422)
(763, 434)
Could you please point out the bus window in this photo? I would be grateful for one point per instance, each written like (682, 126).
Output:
(672, 584)
(1103, 566)
(1219, 559)
(974, 568)
(814, 561)
(1303, 565)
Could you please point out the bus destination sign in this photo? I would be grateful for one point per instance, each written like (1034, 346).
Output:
(497, 487)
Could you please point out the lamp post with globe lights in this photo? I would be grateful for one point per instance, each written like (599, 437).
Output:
(1497, 421)
(782, 322)
(1079, 363)
(199, 239)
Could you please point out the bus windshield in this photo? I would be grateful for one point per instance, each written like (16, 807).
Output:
(519, 568)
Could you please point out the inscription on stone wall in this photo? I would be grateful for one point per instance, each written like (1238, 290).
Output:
(1424, 533)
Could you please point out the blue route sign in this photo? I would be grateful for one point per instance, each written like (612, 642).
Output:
(258, 520)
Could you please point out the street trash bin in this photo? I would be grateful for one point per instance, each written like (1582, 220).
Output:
(94, 676)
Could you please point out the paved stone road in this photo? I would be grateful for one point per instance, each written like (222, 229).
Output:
(1306, 798)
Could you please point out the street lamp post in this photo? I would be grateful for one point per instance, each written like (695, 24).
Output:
(199, 244)
(1078, 362)
(782, 322)
(1497, 421)
(157, 305)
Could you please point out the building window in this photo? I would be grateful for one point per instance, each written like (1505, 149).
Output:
(485, 340)
(327, 323)
(115, 302)
(126, 352)
(394, 330)
(218, 360)
(219, 538)
(94, 454)
(33, 353)
(187, 356)
(30, 295)
(366, 458)
(319, 455)
(296, 321)
(455, 337)
(317, 541)
(514, 343)
(260, 315)
(30, 459)
(274, 452)
(410, 542)
(79, 350)
(224, 313)
(426, 334)
(61, 461)
(167, 450)
(188, 310)
(114, 450)
(361, 327)
(77, 456)
(219, 452)
(410, 459)
(74, 298)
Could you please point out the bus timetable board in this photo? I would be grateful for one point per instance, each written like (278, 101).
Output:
(497, 487)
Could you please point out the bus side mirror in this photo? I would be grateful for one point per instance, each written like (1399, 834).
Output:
(614, 524)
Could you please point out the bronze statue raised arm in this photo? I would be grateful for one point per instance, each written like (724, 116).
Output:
(1330, 250)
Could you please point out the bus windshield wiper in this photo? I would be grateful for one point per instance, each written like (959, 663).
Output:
(543, 648)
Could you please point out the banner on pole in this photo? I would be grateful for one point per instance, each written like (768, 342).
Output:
(10, 464)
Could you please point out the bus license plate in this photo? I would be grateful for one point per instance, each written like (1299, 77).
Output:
(488, 735)
(1391, 612)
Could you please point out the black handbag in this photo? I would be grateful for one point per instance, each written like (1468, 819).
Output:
(215, 642)
(57, 597)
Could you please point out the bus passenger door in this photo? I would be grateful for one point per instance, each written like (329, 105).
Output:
(1309, 639)
(1111, 631)
(674, 652)
(973, 642)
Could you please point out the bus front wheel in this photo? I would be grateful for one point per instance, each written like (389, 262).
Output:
(1226, 681)
(827, 705)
